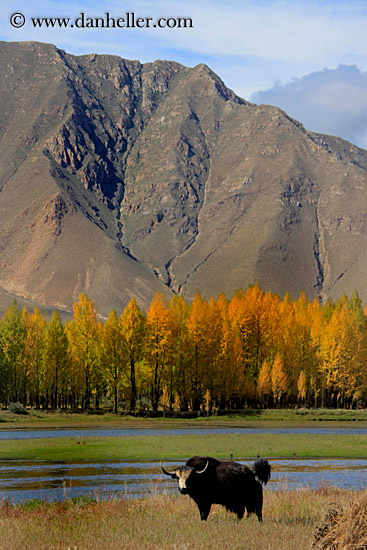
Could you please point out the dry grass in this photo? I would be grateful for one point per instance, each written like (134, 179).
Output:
(166, 522)
(344, 527)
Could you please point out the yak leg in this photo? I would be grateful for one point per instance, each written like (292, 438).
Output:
(204, 509)
(259, 511)
(259, 507)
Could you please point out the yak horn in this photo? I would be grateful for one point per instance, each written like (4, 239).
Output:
(202, 471)
(168, 473)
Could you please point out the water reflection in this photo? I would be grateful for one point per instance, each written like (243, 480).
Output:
(136, 432)
(20, 480)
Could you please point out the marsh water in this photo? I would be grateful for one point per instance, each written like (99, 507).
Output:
(131, 432)
(58, 480)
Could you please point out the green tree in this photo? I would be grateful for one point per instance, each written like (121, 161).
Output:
(35, 327)
(4, 375)
(12, 343)
(56, 360)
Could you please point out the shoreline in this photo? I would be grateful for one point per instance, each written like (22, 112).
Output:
(296, 418)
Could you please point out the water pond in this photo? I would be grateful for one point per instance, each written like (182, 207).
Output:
(25, 480)
(136, 432)
(57, 480)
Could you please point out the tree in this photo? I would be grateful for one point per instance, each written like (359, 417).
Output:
(56, 361)
(165, 401)
(254, 319)
(264, 384)
(83, 334)
(12, 343)
(4, 376)
(341, 355)
(204, 327)
(158, 344)
(279, 379)
(180, 365)
(302, 387)
(132, 326)
(207, 401)
(35, 327)
(356, 309)
(112, 355)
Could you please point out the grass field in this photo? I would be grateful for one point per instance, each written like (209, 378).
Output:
(182, 446)
(172, 521)
(166, 522)
(249, 418)
(239, 445)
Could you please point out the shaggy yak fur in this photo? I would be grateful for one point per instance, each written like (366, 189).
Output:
(209, 481)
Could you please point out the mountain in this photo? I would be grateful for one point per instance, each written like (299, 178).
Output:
(121, 179)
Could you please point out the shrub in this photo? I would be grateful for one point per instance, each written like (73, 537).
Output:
(17, 408)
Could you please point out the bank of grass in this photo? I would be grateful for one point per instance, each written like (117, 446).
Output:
(163, 447)
(39, 419)
(166, 522)
(240, 444)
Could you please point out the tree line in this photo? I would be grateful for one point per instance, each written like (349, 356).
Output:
(253, 350)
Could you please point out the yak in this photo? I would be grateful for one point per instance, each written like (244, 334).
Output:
(210, 481)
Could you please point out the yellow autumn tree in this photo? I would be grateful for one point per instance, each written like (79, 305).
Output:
(56, 362)
(279, 379)
(165, 401)
(264, 384)
(342, 357)
(83, 334)
(35, 327)
(231, 368)
(302, 387)
(180, 366)
(204, 326)
(132, 325)
(158, 345)
(254, 319)
(112, 360)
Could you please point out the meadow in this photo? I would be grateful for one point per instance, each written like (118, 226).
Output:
(166, 522)
(239, 445)
(296, 417)
(171, 521)
(182, 446)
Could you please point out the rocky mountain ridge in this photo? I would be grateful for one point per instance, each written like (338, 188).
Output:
(120, 179)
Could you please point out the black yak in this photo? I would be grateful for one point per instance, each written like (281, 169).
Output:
(209, 481)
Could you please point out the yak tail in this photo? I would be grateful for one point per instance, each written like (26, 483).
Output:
(262, 470)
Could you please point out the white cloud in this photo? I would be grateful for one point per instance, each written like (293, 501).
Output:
(288, 32)
(330, 101)
(250, 43)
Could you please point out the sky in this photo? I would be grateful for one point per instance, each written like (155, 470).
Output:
(309, 58)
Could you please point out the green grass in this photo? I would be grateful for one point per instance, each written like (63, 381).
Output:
(240, 445)
(249, 418)
(166, 522)
(182, 446)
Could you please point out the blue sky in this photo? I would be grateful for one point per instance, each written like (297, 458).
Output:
(298, 52)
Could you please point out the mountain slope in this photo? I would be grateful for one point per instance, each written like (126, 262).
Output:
(121, 179)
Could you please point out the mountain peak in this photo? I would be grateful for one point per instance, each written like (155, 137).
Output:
(121, 178)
